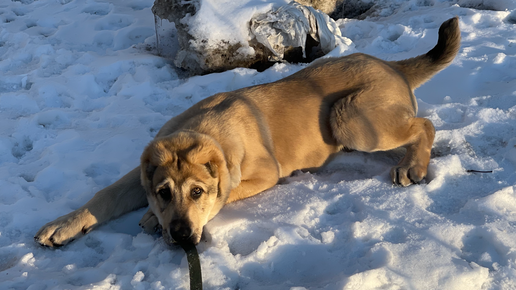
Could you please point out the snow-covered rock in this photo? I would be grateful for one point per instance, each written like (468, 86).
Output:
(213, 38)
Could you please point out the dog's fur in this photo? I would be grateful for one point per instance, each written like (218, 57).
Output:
(234, 145)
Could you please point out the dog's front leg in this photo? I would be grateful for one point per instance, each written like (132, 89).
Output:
(150, 223)
(123, 196)
(248, 188)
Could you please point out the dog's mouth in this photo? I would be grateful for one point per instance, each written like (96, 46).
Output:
(167, 238)
(170, 240)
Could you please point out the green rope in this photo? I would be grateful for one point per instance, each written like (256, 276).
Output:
(194, 265)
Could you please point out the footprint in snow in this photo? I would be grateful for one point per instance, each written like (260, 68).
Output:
(482, 247)
(396, 235)
(103, 173)
(131, 36)
(21, 148)
(254, 237)
(20, 11)
(135, 5)
(98, 9)
(511, 18)
(8, 17)
(114, 22)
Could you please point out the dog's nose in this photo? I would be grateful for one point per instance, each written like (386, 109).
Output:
(180, 230)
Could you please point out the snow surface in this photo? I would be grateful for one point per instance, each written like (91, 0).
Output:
(82, 93)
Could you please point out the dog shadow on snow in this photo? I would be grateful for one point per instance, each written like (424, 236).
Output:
(304, 229)
(301, 231)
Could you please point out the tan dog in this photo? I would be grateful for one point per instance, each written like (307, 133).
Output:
(234, 145)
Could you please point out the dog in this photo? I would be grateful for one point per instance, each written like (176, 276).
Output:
(234, 145)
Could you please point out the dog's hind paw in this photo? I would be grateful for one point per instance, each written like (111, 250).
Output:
(405, 176)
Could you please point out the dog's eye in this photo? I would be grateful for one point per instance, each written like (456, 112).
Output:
(165, 193)
(197, 192)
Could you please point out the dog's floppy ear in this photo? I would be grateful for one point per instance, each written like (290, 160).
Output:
(209, 153)
(155, 154)
(146, 170)
(212, 169)
(149, 170)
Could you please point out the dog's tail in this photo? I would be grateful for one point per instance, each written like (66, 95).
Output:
(421, 68)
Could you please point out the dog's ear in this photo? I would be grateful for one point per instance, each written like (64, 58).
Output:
(149, 171)
(210, 154)
(159, 152)
(146, 170)
(155, 154)
(212, 169)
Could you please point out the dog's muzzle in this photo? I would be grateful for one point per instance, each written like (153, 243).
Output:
(180, 231)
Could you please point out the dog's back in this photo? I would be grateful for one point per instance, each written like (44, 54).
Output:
(298, 108)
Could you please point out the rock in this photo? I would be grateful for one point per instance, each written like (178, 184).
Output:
(289, 26)
(325, 6)
(213, 39)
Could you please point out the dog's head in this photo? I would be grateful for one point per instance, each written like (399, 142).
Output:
(187, 183)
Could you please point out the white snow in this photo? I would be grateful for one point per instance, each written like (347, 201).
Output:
(82, 93)
(229, 17)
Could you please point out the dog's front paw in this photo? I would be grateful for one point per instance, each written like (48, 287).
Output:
(150, 223)
(405, 175)
(65, 229)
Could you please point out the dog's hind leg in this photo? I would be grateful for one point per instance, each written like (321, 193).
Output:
(121, 197)
(369, 122)
(413, 167)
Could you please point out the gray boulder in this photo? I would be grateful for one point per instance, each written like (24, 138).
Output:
(254, 37)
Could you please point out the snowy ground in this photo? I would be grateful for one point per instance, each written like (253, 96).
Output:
(81, 94)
